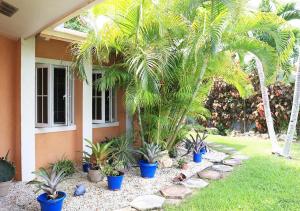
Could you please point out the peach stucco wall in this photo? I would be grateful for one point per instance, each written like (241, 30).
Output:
(52, 146)
(9, 98)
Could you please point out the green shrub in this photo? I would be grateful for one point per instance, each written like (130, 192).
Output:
(65, 165)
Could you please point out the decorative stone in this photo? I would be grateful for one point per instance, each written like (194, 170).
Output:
(148, 202)
(232, 162)
(175, 192)
(173, 201)
(126, 209)
(195, 183)
(240, 157)
(215, 156)
(210, 174)
(194, 168)
(222, 168)
(165, 162)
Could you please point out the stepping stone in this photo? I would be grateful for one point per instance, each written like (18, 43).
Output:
(222, 168)
(228, 149)
(240, 157)
(126, 209)
(148, 202)
(232, 162)
(195, 183)
(215, 157)
(175, 192)
(210, 174)
(173, 201)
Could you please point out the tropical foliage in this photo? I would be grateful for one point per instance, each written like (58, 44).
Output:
(166, 53)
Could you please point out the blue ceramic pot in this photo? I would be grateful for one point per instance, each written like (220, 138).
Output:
(203, 150)
(49, 204)
(197, 157)
(147, 169)
(86, 167)
(115, 182)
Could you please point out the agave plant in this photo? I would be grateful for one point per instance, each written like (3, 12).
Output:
(151, 152)
(196, 143)
(7, 169)
(50, 181)
(99, 153)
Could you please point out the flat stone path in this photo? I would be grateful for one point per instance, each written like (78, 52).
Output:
(232, 162)
(240, 157)
(148, 202)
(222, 168)
(195, 183)
(175, 192)
(215, 156)
(210, 174)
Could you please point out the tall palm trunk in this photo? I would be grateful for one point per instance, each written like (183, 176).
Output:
(294, 115)
(267, 110)
(186, 109)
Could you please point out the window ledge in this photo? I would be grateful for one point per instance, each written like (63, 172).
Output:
(103, 125)
(55, 129)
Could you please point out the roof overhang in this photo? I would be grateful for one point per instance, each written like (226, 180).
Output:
(35, 16)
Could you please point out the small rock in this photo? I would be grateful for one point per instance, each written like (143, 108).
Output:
(195, 183)
(175, 192)
(232, 162)
(147, 202)
(240, 157)
(165, 162)
(222, 168)
(210, 174)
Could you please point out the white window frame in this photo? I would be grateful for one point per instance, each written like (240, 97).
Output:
(69, 105)
(102, 120)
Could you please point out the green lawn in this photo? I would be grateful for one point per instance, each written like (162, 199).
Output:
(264, 182)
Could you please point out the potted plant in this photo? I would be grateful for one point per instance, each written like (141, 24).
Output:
(182, 164)
(51, 199)
(98, 155)
(114, 174)
(7, 173)
(86, 163)
(197, 144)
(148, 165)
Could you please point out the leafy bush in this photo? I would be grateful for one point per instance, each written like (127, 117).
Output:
(228, 109)
(113, 169)
(181, 162)
(65, 165)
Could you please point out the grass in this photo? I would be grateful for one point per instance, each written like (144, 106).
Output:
(264, 182)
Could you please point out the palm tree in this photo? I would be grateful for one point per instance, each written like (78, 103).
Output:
(166, 53)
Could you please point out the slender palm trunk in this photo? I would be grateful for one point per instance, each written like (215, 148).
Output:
(141, 125)
(267, 110)
(186, 109)
(294, 115)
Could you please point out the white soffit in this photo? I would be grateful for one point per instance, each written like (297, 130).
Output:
(33, 16)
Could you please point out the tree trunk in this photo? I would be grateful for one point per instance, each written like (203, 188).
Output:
(185, 111)
(267, 110)
(141, 125)
(294, 115)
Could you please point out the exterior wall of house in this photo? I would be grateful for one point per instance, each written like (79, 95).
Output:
(54, 145)
(9, 98)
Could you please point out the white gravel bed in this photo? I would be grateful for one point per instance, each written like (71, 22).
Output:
(97, 196)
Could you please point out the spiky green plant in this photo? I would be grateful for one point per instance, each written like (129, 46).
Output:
(65, 165)
(112, 169)
(150, 152)
(196, 142)
(99, 153)
(7, 169)
(48, 181)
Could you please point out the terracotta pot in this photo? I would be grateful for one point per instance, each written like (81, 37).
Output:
(4, 186)
(95, 175)
(185, 166)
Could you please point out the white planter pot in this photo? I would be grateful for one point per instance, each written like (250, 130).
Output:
(4, 187)
(95, 176)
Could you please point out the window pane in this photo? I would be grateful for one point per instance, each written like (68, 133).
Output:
(94, 109)
(39, 109)
(39, 82)
(45, 81)
(113, 105)
(107, 107)
(59, 96)
(45, 109)
(98, 106)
